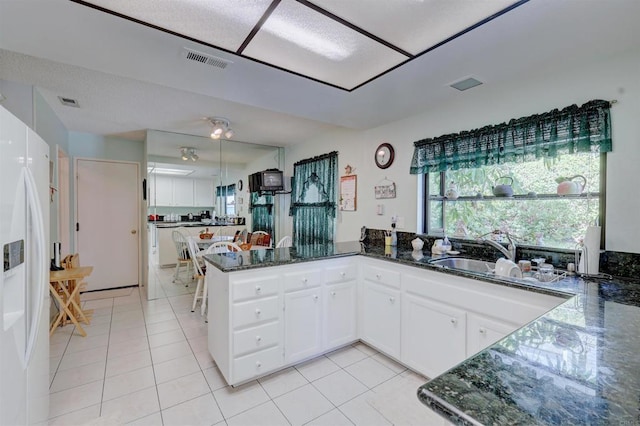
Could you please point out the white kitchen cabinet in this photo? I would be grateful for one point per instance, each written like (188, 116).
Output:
(340, 314)
(302, 324)
(166, 191)
(203, 195)
(264, 319)
(163, 190)
(381, 317)
(433, 335)
(182, 192)
(483, 332)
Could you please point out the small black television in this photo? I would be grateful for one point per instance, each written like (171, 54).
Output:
(269, 180)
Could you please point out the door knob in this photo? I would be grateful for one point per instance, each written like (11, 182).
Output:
(133, 231)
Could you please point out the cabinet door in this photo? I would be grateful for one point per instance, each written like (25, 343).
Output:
(482, 332)
(183, 192)
(302, 319)
(340, 314)
(203, 193)
(163, 191)
(381, 317)
(433, 335)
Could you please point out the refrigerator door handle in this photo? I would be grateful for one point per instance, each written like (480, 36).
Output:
(38, 225)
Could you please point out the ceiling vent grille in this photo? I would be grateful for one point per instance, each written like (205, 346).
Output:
(69, 102)
(203, 58)
(466, 84)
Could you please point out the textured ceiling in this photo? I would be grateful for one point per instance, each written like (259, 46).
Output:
(342, 43)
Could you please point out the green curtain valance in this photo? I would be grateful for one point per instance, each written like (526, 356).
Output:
(568, 131)
(225, 191)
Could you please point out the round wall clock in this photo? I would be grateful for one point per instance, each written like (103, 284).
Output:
(240, 185)
(384, 155)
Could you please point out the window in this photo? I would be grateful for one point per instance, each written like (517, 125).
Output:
(530, 154)
(535, 215)
(227, 197)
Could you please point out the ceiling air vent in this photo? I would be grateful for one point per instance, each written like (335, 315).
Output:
(465, 84)
(203, 58)
(69, 102)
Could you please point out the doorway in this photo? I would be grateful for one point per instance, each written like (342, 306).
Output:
(107, 222)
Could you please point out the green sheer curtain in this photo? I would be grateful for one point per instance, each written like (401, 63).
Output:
(313, 200)
(261, 208)
(573, 129)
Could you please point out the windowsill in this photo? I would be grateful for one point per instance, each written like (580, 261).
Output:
(517, 197)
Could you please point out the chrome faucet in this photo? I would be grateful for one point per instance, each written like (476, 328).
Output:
(509, 252)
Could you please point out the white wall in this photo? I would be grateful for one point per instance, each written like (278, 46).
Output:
(492, 103)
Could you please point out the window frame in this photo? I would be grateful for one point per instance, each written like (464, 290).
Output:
(426, 203)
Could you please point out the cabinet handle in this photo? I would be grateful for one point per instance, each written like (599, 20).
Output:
(258, 339)
(258, 364)
(315, 298)
(258, 312)
(392, 299)
(378, 276)
(454, 321)
(482, 331)
(333, 293)
(258, 289)
(304, 280)
(342, 274)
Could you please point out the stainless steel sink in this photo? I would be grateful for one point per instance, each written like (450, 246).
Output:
(464, 264)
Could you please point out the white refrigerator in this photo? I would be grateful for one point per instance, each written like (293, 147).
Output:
(24, 282)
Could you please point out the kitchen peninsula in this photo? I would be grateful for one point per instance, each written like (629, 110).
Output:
(570, 363)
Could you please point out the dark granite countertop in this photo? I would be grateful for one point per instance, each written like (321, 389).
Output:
(251, 259)
(184, 224)
(577, 364)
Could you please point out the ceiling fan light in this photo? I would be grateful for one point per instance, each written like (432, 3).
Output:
(194, 157)
(229, 134)
(215, 135)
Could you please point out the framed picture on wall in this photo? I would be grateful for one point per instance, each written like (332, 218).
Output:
(348, 193)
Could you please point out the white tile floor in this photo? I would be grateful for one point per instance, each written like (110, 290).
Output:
(146, 363)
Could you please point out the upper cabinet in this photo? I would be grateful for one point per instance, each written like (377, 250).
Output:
(203, 192)
(168, 191)
(183, 192)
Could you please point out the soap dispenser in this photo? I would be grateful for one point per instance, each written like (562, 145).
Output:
(446, 245)
(394, 235)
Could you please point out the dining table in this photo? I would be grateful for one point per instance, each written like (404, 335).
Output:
(204, 244)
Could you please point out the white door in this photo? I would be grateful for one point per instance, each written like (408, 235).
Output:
(107, 234)
(433, 335)
(381, 317)
(483, 332)
(302, 316)
(340, 314)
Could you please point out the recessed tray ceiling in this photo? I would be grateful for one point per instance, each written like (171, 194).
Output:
(344, 44)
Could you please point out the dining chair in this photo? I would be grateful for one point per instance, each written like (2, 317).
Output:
(284, 242)
(180, 240)
(198, 267)
(258, 238)
(217, 247)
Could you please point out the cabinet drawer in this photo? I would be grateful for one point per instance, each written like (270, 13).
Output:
(308, 278)
(382, 275)
(256, 338)
(254, 288)
(256, 364)
(341, 273)
(255, 311)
